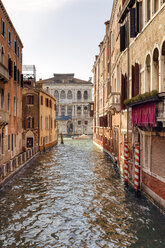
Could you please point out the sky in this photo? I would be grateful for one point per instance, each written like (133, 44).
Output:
(60, 36)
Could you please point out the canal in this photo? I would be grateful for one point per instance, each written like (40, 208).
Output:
(72, 196)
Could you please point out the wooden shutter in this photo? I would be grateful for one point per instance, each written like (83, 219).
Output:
(125, 88)
(26, 123)
(132, 23)
(140, 16)
(22, 80)
(136, 86)
(133, 81)
(15, 73)
(137, 18)
(122, 92)
(32, 122)
(122, 38)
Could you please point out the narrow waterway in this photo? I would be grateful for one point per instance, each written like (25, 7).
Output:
(72, 196)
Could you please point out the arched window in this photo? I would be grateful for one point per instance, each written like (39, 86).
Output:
(69, 95)
(56, 94)
(62, 95)
(79, 108)
(85, 94)
(79, 95)
(163, 67)
(155, 75)
(85, 108)
(148, 74)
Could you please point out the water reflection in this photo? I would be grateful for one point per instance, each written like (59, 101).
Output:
(71, 196)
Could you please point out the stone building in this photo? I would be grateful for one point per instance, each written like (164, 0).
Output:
(39, 116)
(74, 103)
(10, 89)
(129, 91)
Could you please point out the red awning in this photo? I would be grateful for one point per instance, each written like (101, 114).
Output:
(144, 115)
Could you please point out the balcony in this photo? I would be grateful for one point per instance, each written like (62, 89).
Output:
(4, 117)
(114, 102)
(127, 4)
(4, 73)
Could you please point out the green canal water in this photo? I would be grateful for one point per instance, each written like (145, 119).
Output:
(73, 197)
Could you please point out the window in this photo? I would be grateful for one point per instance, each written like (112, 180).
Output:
(148, 10)
(79, 123)
(156, 5)
(30, 122)
(79, 95)
(9, 102)
(21, 58)
(15, 72)
(56, 94)
(79, 108)
(46, 123)
(46, 102)
(62, 110)
(41, 122)
(69, 95)
(70, 110)
(85, 108)
(50, 104)
(86, 122)
(57, 111)
(41, 100)
(3, 27)
(62, 95)
(9, 38)
(15, 47)
(2, 98)
(10, 66)
(85, 94)
(30, 99)
(18, 51)
(9, 142)
(2, 55)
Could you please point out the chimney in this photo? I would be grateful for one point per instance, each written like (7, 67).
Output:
(40, 84)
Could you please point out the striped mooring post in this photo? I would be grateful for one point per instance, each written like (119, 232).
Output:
(126, 162)
(136, 177)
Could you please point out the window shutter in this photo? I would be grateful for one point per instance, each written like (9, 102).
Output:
(18, 74)
(137, 18)
(15, 73)
(22, 80)
(133, 81)
(122, 38)
(132, 23)
(122, 93)
(33, 122)
(140, 16)
(26, 123)
(136, 86)
(1, 26)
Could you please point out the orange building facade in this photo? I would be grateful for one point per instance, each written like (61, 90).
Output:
(10, 89)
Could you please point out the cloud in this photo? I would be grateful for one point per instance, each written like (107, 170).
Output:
(40, 5)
